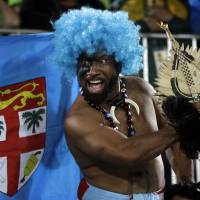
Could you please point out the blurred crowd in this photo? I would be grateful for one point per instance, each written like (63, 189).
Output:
(181, 15)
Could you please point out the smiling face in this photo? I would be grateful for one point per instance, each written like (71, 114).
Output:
(98, 77)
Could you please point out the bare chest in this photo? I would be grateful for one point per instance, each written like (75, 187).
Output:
(143, 122)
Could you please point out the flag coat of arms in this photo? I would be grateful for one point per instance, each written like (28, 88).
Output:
(35, 162)
(22, 132)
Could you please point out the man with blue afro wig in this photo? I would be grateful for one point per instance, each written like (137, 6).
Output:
(89, 30)
(114, 128)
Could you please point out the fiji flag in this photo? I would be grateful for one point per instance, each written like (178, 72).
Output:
(35, 163)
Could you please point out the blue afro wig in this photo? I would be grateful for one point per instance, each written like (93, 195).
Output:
(90, 31)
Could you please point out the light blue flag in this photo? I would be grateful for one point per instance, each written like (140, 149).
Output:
(35, 162)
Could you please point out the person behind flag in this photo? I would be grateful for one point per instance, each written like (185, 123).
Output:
(114, 128)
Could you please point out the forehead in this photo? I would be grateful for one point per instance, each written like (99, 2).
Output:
(96, 57)
(86, 61)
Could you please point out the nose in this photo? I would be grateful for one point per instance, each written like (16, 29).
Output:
(92, 69)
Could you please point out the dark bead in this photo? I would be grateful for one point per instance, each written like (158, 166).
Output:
(131, 126)
(132, 133)
(130, 121)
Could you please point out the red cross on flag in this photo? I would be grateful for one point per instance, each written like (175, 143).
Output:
(22, 132)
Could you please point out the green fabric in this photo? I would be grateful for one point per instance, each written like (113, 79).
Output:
(14, 2)
(106, 3)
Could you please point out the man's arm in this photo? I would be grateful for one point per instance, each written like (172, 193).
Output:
(102, 143)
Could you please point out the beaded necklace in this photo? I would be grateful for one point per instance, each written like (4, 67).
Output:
(119, 101)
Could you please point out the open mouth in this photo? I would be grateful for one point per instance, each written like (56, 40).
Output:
(95, 86)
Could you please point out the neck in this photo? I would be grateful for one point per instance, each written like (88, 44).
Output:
(113, 94)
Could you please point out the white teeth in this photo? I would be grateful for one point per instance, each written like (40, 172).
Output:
(95, 81)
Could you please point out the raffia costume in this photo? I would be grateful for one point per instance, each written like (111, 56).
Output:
(179, 87)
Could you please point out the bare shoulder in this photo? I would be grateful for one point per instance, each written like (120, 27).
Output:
(79, 118)
(140, 85)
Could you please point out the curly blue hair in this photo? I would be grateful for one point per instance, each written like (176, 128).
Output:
(89, 30)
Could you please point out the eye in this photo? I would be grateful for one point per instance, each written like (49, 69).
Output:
(85, 64)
